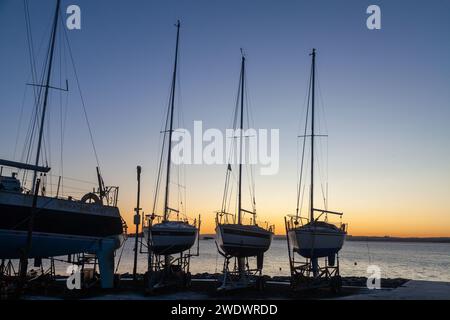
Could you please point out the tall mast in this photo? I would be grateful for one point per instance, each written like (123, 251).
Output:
(240, 140)
(172, 106)
(47, 87)
(312, 132)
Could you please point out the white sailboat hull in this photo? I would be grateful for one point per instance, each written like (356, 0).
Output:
(243, 240)
(170, 237)
(312, 242)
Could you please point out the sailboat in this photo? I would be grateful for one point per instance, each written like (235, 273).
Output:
(173, 233)
(233, 236)
(315, 237)
(34, 225)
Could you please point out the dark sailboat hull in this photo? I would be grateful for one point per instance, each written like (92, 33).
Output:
(60, 227)
(59, 222)
(170, 237)
(243, 240)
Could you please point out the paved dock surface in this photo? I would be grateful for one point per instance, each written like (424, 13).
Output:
(205, 290)
(411, 290)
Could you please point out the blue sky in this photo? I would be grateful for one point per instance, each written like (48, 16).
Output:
(385, 93)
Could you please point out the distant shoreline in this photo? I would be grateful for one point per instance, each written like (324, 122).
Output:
(356, 238)
(398, 239)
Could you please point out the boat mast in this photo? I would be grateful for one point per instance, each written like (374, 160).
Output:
(47, 87)
(241, 137)
(172, 105)
(313, 54)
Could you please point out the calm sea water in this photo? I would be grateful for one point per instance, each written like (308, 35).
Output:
(419, 261)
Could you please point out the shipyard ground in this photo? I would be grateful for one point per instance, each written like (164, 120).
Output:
(205, 289)
(411, 290)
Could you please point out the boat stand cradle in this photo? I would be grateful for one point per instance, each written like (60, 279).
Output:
(166, 272)
(42, 278)
(241, 276)
(14, 283)
(6, 269)
(8, 279)
(310, 275)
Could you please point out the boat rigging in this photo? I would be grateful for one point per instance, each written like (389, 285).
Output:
(314, 237)
(36, 225)
(167, 235)
(236, 239)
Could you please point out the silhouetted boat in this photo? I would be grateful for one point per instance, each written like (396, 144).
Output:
(170, 237)
(171, 234)
(235, 238)
(314, 238)
(240, 240)
(33, 225)
(317, 239)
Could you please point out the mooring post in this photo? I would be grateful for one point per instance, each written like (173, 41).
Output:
(137, 220)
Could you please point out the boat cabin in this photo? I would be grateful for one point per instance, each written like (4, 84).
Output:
(11, 184)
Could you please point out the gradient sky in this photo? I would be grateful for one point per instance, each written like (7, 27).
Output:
(386, 97)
